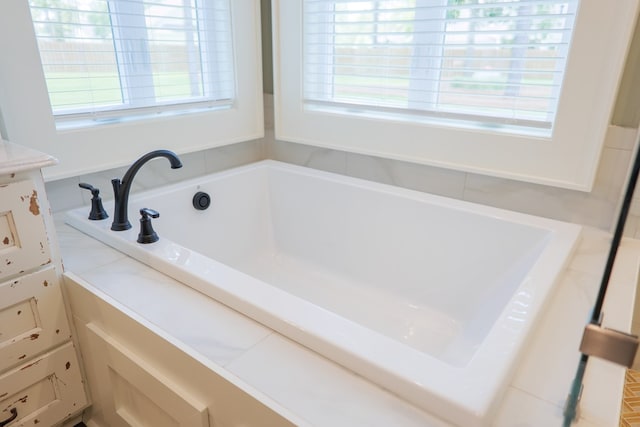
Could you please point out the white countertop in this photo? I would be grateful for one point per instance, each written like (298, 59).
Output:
(16, 158)
(313, 390)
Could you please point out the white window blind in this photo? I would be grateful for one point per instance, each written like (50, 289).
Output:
(480, 61)
(109, 58)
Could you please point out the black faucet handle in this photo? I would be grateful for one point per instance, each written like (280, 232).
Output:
(146, 212)
(94, 191)
(97, 210)
(147, 233)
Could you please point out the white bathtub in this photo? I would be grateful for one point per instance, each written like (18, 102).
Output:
(429, 297)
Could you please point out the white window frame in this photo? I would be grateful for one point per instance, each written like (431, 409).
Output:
(28, 120)
(567, 159)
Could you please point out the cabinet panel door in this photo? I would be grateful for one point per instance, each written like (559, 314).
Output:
(44, 390)
(141, 395)
(23, 239)
(32, 317)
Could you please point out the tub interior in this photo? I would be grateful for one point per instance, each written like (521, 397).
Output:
(426, 275)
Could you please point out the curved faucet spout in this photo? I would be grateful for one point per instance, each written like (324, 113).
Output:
(121, 188)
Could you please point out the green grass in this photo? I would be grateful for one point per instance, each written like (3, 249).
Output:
(77, 90)
(496, 84)
(74, 90)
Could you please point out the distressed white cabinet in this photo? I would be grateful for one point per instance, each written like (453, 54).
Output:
(32, 319)
(40, 376)
(43, 390)
(23, 239)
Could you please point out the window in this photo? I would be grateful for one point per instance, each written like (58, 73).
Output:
(206, 86)
(497, 62)
(104, 57)
(519, 89)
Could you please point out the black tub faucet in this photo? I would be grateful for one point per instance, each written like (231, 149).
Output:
(121, 188)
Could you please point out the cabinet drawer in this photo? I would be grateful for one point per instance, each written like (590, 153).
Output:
(23, 239)
(32, 317)
(136, 393)
(44, 390)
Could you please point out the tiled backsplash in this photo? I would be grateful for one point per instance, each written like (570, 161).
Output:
(597, 208)
(65, 194)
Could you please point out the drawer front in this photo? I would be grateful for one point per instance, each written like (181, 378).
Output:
(44, 390)
(23, 239)
(32, 317)
(136, 394)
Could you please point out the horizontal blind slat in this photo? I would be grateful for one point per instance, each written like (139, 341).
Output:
(478, 58)
(447, 92)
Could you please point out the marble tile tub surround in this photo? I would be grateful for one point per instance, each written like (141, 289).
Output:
(597, 208)
(316, 391)
(65, 194)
